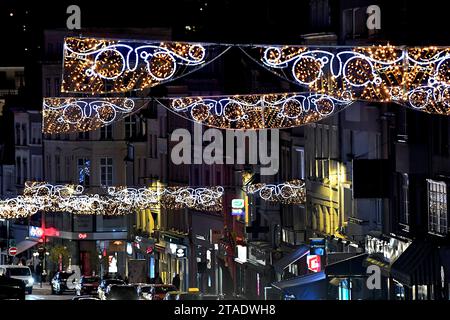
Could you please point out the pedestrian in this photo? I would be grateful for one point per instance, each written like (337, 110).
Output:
(176, 281)
(158, 279)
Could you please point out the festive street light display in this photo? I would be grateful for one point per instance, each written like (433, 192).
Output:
(113, 66)
(417, 77)
(290, 192)
(257, 111)
(66, 115)
(39, 196)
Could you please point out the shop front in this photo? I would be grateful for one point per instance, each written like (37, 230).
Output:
(259, 273)
(173, 259)
(382, 252)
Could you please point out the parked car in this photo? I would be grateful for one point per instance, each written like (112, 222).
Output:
(62, 282)
(144, 291)
(22, 273)
(11, 289)
(88, 285)
(179, 295)
(159, 291)
(121, 292)
(104, 285)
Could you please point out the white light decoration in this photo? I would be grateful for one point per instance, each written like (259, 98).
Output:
(417, 77)
(40, 196)
(291, 192)
(65, 115)
(257, 111)
(107, 65)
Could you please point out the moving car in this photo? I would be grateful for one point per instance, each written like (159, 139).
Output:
(62, 282)
(87, 285)
(104, 285)
(11, 289)
(159, 291)
(179, 295)
(121, 292)
(22, 273)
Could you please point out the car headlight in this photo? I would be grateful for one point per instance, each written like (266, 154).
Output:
(30, 281)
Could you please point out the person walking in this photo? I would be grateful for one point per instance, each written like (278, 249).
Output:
(176, 281)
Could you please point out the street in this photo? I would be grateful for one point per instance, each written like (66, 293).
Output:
(44, 293)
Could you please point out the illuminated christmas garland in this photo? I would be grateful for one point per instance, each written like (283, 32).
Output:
(106, 65)
(291, 192)
(418, 78)
(257, 111)
(38, 196)
(65, 115)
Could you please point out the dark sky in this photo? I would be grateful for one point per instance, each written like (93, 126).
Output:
(233, 21)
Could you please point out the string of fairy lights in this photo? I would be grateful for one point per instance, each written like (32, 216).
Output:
(116, 201)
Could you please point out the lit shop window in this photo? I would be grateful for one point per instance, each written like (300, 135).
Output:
(437, 207)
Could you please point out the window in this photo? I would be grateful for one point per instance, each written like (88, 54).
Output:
(24, 134)
(300, 162)
(25, 170)
(106, 171)
(58, 168)
(83, 171)
(18, 170)
(18, 134)
(48, 88)
(130, 127)
(36, 135)
(404, 199)
(437, 207)
(57, 86)
(36, 162)
(106, 133)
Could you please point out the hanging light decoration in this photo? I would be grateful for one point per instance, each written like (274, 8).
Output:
(65, 115)
(257, 111)
(40, 196)
(418, 78)
(291, 192)
(107, 66)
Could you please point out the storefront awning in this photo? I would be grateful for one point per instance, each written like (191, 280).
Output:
(348, 267)
(25, 245)
(290, 258)
(308, 287)
(418, 265)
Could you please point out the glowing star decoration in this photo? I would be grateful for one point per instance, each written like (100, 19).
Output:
(40, 196)
(106, 65)
(418, 78)
(257, 111)
(65, 115)
(291, 192)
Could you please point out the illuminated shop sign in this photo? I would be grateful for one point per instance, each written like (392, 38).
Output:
(237, 207)
(36, 232)
(317, 246)
(314, 263)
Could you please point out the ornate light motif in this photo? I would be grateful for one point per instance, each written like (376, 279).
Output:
(291, 192)
(257, 111)
(39, 196)
(416, 77)
(105, 65)
(65, 115)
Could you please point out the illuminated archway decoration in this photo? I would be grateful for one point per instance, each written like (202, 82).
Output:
(257, 111)
(291, 192)
(66, 115)
(418, 78)
(40, 196)
(112, 66)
